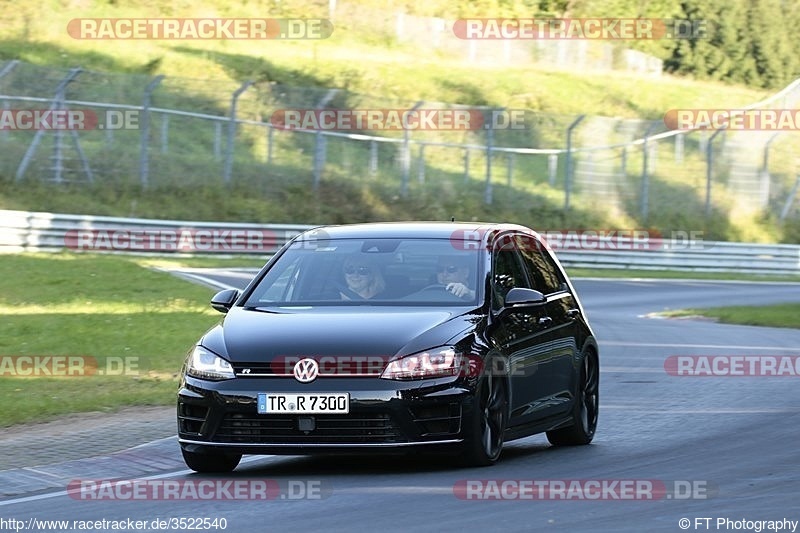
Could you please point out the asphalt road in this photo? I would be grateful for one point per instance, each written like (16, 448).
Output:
(735, 439)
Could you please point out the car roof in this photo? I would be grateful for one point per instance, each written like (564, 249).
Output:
(409, 230)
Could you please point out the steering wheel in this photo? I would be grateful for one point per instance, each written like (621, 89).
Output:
(439, 287)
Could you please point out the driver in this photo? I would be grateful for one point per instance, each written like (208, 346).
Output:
(453, 272)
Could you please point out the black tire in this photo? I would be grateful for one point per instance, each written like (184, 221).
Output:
(490, 416)
(211, 463)
(586, 410)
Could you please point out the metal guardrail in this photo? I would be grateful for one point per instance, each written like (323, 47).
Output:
(22, 231)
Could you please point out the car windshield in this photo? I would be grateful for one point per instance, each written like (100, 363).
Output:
(403, 272)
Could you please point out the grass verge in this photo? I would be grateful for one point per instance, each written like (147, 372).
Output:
(106, 308)
(778, 315)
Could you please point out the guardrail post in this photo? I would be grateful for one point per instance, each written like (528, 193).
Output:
(226, 175)
(645, 200)
(405, 159)
(569, 164)
(144, 136)
(710, 169)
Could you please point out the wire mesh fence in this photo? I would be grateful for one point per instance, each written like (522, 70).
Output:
(151, 132)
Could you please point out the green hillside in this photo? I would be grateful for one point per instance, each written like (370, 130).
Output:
(363, 61)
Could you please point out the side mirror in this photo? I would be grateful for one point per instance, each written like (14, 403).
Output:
(223, 300)
(520, 297)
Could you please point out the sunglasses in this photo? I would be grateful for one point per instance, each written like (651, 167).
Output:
(361, 271)
(451, 269)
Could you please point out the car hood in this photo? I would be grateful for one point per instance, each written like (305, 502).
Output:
(247, 335)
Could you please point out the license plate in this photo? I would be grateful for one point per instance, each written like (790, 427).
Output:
(317, 403)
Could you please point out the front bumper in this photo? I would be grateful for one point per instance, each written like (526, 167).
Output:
(385, 416)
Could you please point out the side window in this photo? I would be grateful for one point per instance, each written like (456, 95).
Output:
(541, 269)
(507, 271)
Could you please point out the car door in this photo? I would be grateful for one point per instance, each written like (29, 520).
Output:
(561, 312)
(524, 337)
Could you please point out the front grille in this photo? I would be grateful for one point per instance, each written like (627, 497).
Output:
(329, 429)
(191, 417)
(328, 367)
(438, 420)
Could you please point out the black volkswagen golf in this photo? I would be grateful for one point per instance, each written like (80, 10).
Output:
(393, 337)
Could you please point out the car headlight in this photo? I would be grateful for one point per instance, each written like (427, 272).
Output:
(439, 362)
(204, 364)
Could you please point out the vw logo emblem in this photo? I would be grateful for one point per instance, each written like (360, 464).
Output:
(306, 370)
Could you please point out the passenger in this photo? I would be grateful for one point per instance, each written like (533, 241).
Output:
(363, 279)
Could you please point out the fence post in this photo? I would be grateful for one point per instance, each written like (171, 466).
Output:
(144, 136)
(487, 196)
(421, 164)
(466, 165)
(57, 103)
(406, 156)
(321, 143)
(568, 169)
(373, 158)
(552, 169)
(510, 168)
(226, 176)
(709, 170)
(9, 67)
(624, 161)
(217, 140)
(645, 176)
(320, 153)
(6, 69)
(679, 145)
(788, 205)
(270, 143)
(164, 134)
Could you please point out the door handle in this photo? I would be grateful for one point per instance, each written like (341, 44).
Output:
(545, 321)
(573, 313)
